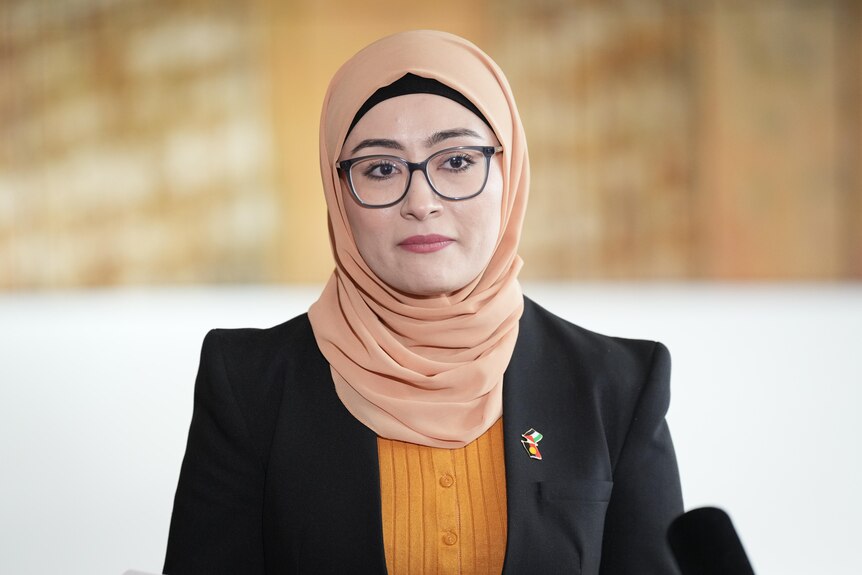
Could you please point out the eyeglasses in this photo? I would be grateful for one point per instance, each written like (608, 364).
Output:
(458, 173)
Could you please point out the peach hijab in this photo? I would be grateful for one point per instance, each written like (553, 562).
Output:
(426, 370)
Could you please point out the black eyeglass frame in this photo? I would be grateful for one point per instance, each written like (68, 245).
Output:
(488, 151)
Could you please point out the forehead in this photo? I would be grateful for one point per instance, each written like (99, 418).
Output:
(414, 117)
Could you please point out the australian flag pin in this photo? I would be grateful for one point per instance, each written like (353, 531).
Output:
(531, 443)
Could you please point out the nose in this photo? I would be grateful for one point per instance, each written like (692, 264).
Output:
(421, 202)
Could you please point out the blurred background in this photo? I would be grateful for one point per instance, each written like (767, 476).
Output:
(175, 142)
(697, 179)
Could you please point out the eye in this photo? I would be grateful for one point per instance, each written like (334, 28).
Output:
(379, 170)
(457, 162)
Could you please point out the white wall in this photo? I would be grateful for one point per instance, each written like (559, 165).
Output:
(96, 397)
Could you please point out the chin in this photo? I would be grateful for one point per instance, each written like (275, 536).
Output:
(432, 291)
(430, 288)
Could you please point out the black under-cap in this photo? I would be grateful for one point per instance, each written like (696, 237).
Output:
(413, 84)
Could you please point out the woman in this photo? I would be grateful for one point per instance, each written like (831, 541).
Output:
(424, 416)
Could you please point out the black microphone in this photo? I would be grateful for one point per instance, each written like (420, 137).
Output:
(704, 542)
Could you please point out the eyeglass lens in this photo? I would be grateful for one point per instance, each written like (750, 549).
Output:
(380, 180)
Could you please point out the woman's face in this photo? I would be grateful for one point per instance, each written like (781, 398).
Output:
(425, 244)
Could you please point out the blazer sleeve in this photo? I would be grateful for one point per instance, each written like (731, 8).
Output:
(646, 493)
(216, 525)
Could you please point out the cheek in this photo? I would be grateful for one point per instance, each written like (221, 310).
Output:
(367, 226)
(357, 218)
(494, 191)
(491, 224)
(483, 222)
(492, 209)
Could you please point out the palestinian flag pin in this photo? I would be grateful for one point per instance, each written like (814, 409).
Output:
(531, 443)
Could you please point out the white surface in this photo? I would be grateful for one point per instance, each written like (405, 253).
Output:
(96, 397)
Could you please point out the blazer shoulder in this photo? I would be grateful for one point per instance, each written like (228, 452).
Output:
(623, 379)
(257, 360)
(605, 353)
(259, 346)
(258, 364)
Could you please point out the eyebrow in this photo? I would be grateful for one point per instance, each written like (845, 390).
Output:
(430, 141)
(438, 137)
(378, 143)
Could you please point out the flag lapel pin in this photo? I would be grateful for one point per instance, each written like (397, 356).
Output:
(531, 443)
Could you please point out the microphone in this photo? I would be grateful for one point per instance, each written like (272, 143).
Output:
(704, 542)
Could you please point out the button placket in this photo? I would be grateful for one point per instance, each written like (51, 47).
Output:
(448, 513)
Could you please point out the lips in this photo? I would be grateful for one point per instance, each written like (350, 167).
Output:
(425, 244)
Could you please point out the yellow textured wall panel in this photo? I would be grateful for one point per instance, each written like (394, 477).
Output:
(166, 142)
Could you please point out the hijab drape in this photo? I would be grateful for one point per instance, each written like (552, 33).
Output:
(426, 370)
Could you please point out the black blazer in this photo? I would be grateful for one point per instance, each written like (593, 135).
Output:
(278, 477)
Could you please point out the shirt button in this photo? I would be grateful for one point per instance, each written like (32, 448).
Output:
(450, 538)
(447, 480)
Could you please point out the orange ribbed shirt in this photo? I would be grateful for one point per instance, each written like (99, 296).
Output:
(444, 510)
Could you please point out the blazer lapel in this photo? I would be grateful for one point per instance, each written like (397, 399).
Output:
(538, 395)
(323, 481)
